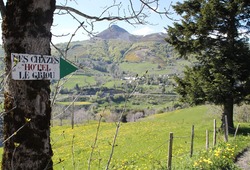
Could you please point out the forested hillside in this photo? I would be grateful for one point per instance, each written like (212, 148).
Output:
(117, 45)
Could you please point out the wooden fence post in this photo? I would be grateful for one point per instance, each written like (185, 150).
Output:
(73, 114)
(226, 129)
(207, 139)
(61, 121)
(170, 150)
(214, 135)
(192, 141)
(236, 130)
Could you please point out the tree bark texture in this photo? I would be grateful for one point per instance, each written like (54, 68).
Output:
(228, 110)
(26, 29)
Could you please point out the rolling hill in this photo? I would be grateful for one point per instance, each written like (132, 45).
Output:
(143, 144)
(115, 44)
(117, 53)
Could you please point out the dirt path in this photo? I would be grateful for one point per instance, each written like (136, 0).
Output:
(243, 161)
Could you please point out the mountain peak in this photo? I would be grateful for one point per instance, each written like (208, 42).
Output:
(115, 32)
(117, 29)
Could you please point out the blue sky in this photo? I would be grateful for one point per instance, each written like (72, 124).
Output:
(65, 24)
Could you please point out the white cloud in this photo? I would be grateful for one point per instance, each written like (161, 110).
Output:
(143, 31)
(164, 31)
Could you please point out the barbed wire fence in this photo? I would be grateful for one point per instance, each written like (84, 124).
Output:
(207, 146)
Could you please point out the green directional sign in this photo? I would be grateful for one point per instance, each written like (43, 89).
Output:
(66, 68)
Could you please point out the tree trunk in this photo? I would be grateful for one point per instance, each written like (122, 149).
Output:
(228, 110)
(26, 29)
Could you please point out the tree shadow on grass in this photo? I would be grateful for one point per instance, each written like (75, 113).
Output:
(244, 131)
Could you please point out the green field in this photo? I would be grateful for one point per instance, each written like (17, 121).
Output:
(140, 145)
(143, 144)
(152, 68)
(81, 80)
(75, 103)
(138, 68)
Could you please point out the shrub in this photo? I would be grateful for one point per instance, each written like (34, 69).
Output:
(220, 157)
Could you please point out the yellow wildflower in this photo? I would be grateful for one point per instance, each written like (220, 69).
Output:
(196, 164)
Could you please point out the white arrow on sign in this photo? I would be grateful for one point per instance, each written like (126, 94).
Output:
(36, 67)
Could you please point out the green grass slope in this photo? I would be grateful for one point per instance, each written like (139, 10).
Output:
(140, 145)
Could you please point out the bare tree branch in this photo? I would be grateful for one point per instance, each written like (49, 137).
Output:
(62, 35)
(108, 18)
(155, 8)
(133, 11)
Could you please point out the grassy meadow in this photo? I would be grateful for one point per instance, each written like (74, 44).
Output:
(143, 145)
(81, 80)
(139, 145)
(75, 103)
